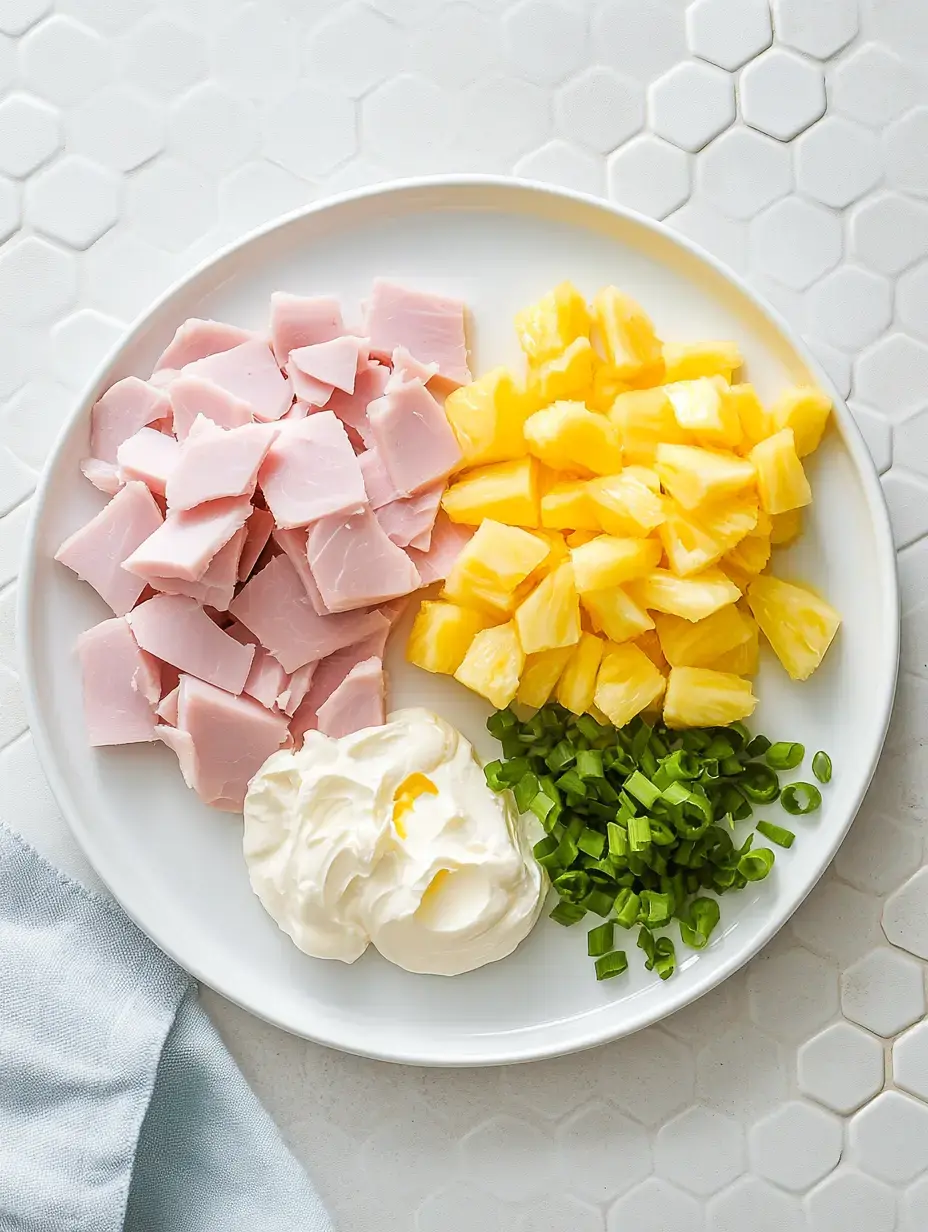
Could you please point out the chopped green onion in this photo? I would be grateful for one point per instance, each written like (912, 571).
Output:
(821, 767)
(777, 834)
(560, 757)
(592, 842)
(541, 805)
(798, 799)
(642, 789)
(639, 833)
(501, 722)
(573, 885)
(601, 939)
(656, 908)
(567, 914)
(755, 865)
(589, 728)
(759, 783)
(611, 964)
(618, 840)
(665, 961)
(627, 906)
(525, 791)
(491, 774)
(572, 783)
(701, 918)
(757, 747)
(785, 756)
(590, 764)
(600, 902)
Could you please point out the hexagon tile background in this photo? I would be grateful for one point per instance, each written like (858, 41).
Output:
(791, 140)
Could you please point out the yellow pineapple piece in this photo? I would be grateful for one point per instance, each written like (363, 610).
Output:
(493, 664)
(797, 623)
(737, 576)
(694, 476)
(632, 347)
(756, 423)
(568, 506)
(540, 674)
(577, 538)
(548, 327)
(702, 409)
(644, 419)
(490, 567)
(650, 643)
(781, 481)
(487, 417)
(568, 375)
(605, 389)
(700, 697)
(689, 548)
(441, 634)
(785, 527)
(567, 436)
(505, 491)
(687, 361)
(742, 660)
(805, 410)
(696, 643)
(625, 506)
(550, 616)
(628, 682)
(751, 555)
(616, 614)
(608, 561)
(578, 680)
(693, 598)
(644, 474)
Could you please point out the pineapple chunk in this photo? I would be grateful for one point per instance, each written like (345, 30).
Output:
(548, 327)
(797, 623)
(781, 481)
(644, 419)
(702, 409)
(696, 643)
(646, 475)
(607, 561)
(540, 674)
(689, 361)
(688, 546)
(578, 681)
(743, 660)
(617, 615)
(605, 389)
(568, 375)
(628, 682)
(693, 475)
(441, 635)
(805, 410)
(487, 417)
(756, 423)
(693, 598)
(632, 347)
(751, 555)
(650, 643)
(577, 538)
(550, 616)
(700, 697)
(567, 436)
(625, 506)
(785, 527)
(490, 567)
(493, 664)
(505, 491)
(567, 506)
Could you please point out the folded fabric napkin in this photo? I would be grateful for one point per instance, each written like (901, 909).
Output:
(119, 1104)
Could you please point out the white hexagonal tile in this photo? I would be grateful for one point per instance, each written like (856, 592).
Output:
(725, 238)
(557, 1087)
(781, 94)
(884, 992)
(310, 131)
(729, 32)
(510, 1159)
(498, 119)
(741, 1072)
(817, 29)
(904, 145)
(561, 163)
(878, 855)
(63, 61)
(889, 232)
(460, 1208)
(755, 1204)
(557, 1213)
(910, 1061)
(12, 708)
(79, 344)
(254, 52)
(170, 204)
(9, 67)
(74, 201)
(796, 1146)
(408, 120)
(692, 104)
(257, 192)
(893, 375)
(37, 282)
(792, 993)
(650, 1076)
(796, 242)
(354, 50)
(600, 108)
(836, 363)
(653, 1206)
(912, 300)
(838, 922)
(913, 1207)
(104, 16)
(601, 1153)
(12, 540)
(29, 135)
(837, 162)
(124, 274)
(877, 433)
(117, 128)
(473, 36)
(641, 38)
(650, 176)
(742, 172)
(212, 130)
(889, 1138)
(10, 210)
(409, 1154)
(849, 1199)
(911, 439)
(907, 497)
(702, 1022)
(165, 58)
(850, 307)
(700, 1150)
(841, 1068)
(16, 483)
(544, 40)
(18, 15)
(872, 86)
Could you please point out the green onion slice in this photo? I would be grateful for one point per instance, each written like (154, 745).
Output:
(755, 865)
(776, 834)
(701, 918)
(601, 940)
(611, 965)
(785, 755)
(821, 767)
(798, 799)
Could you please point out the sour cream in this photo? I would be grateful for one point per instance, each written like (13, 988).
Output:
(391, 836)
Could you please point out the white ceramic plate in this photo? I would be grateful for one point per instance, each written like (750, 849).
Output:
(176, 866)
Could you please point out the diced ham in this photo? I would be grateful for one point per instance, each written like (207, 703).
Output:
(217, 462)
(330, 673)
(103, 475)
(413, 436)
(299, 410)
(298, 321)
(167, 708)
(128, 405)
(394, 610)
(182, 745)
(116, 685)
(266, 680)
(410, 368)
(177, 630)
(257, 532)
(216, 588)
(196, 339)
(149, 456)
(188, 539)
(430, 326)
(423, 541)
(274, 605)
(311, 471)
(355, 564)
(357, 703)
(195, 395)
(99, 549)
(250, 373)
(351, 409)
(313, 393)
(296, 688)
(448, 538)
(293, 543)
(411, 517)
(334, 363)
(380, 488)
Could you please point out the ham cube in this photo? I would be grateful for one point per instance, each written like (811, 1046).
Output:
(377, 483)
(188, 539)
(312, 393)
(167, 707)
(178, 631)
(257, 532)
(330, 673)
(150, 457)
(430, 326)
(334, 364)
(351, 409)
(97, 552)
(274, 605)
(104, 476)
(267, 680)
(448, 538)
(250, 373)
(196, 339)
(216, 462)
(182, 745)
(128, 405)
(355, 564)
(411, 517)
(409, 368)
(192, 396)
(216, 588)
(298, 321)
(117, 685)
(413, 436)
(357, 703)
(293, 544)
(311, 471)
(296, 688)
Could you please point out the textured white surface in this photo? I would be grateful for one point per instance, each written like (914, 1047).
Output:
(137, 137)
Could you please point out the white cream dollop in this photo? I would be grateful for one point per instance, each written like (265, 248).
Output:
(347, 843)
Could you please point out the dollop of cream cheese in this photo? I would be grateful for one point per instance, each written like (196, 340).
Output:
(391, 836)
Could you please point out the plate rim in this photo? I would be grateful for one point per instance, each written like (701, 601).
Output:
(503, 1052)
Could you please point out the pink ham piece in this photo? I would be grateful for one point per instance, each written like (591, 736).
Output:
(293, 544)
(167, 707)
(117, 685)
(216, 588)
(296, 688)
(267, 680)
(250, 373)
(409, 367)
(334, 363)
(128, 405)
(299, 410)
(194, 395)
(216, 462)
(188, 539)
(178, 631)
(97, 552)
(257, 532)
(310, 392)
(103, 475)
(358, 702)
(355, 564)
(448, 538)
(413, 436)
(298, 321)
(311, 471)
(196, 339)
(182, 746)
(411, 518)
(351, 409)
(377, 482)
(330, 673)
(274, 605)
(150, 457)
(430, 326)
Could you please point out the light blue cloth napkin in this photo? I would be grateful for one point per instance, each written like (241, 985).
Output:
(119, 1104)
